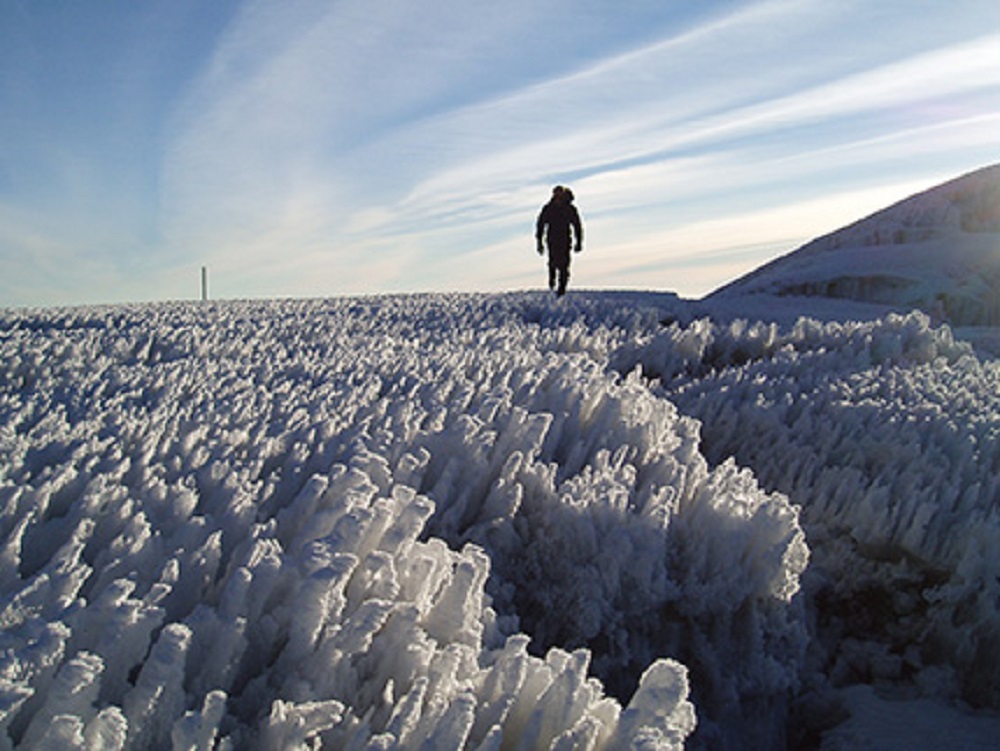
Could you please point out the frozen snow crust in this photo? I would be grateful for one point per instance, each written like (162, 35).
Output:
(339, 524)
(484, 521)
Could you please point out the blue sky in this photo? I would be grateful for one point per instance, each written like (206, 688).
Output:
(302, 148)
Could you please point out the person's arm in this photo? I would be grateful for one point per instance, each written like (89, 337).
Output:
(577, 230)
(540, 229)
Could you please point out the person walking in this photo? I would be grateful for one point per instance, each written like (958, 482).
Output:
(559, 223)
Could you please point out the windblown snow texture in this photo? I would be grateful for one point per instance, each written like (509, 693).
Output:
(886, 433)
(419, 522)
(483, 522)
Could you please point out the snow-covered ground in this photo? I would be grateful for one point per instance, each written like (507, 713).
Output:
(616, 520)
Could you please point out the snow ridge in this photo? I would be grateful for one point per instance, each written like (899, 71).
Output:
(938, 251)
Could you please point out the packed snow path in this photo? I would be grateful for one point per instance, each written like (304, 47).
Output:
(455, 522)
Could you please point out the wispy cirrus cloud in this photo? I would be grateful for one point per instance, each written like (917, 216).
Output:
(664, 154)
(308, 148)
(628, 136)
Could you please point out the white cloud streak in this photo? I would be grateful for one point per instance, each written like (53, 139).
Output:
(641, 135)
(352, 147)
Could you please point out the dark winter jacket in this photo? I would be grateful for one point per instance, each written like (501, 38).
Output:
(559, 216)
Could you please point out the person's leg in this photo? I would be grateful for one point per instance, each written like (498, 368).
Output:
(552, 274)
(559, 263)
(563, 279)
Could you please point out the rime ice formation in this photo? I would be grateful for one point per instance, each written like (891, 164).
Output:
(886, 434)
(485, 522)
(395, 522)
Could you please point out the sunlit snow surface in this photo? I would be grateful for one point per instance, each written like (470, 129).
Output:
(484, 521)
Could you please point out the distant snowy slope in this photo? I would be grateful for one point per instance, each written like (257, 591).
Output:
(938, 251)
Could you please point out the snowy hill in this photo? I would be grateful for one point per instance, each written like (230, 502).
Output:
(938, 251)
(489, 521)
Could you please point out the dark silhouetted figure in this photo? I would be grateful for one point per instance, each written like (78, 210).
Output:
(559, 223)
